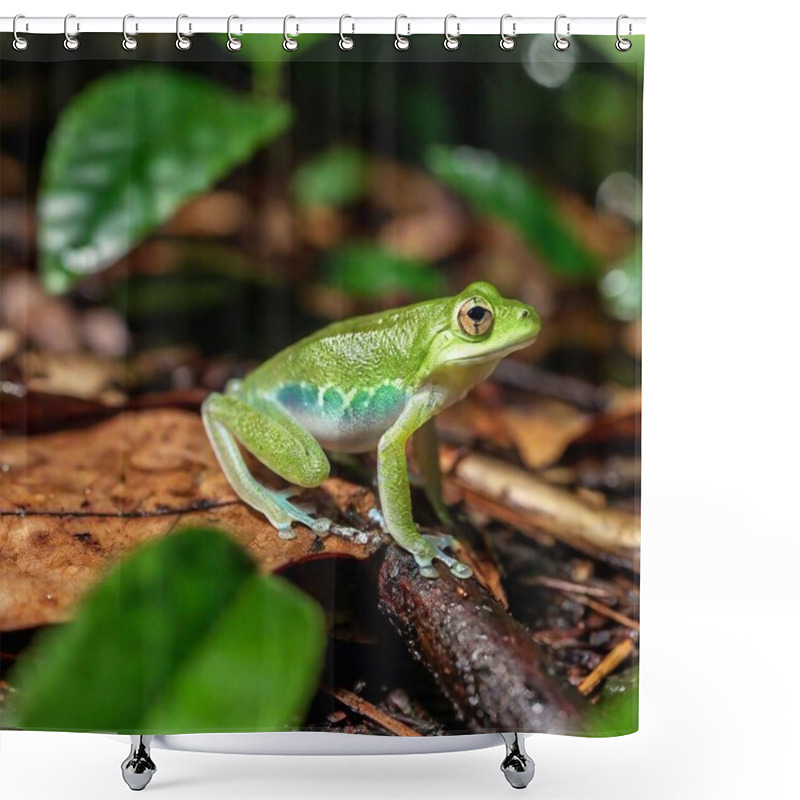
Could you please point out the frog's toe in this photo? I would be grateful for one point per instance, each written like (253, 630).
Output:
(321, 526)
(285, 530)
(428, 571)
(438, 542)
(460, 570)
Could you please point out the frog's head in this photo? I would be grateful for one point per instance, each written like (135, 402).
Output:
(484, 327)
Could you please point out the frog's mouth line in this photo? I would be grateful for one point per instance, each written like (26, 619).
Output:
(495, 355)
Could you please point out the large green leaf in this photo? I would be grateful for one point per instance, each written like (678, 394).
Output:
(502, 190)
(183, 636)
(367, 271)
(127, 152)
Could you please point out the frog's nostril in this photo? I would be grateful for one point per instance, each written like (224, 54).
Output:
(524, 314)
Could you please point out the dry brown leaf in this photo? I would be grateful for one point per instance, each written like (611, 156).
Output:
(78, 375)
(542, 431)
(74, 502)
(430, 235)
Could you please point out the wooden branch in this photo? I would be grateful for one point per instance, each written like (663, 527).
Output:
(485, 662)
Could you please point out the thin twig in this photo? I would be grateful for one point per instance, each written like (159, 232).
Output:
(371, 712)
(566, 586)
(615, 657)
(602, 608)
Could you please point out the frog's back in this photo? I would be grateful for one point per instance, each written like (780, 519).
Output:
(348, 382)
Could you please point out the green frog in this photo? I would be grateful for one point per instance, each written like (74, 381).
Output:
(367, 383)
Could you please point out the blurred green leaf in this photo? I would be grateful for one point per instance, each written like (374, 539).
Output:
(502, 190)
(617, 710)
(175, 293)
(621, 287)
(266, 50)
(334, 178)
(364, 270)
(182, 636)
(266, 55)
(127, 152)
(202, 275)
(602, 105)
(629, 61)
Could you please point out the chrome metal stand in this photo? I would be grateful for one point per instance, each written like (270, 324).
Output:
(517, 766)
(138, 768)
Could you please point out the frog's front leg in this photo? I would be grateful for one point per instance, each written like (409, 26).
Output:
(279, 443)
(395, 492)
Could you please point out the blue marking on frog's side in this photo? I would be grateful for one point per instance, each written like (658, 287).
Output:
(350, 421)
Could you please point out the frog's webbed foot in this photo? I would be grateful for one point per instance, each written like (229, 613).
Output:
(437, 542)
(282, 514)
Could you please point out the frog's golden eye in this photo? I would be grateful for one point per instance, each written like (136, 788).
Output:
(475, 317)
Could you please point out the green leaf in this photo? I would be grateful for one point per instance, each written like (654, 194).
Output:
(617, 710)
(501, 190)
(334, 178)
(266, 50)
(367, 271)
(183, 636)
(127, 152)
(267, 55)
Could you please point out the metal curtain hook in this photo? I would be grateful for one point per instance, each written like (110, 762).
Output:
(233, 43)
(71, 42)
(560, 42)
(507, 42)
(623, 45)
(401, 42)
(129, 42)
(289, 42)
(20, 42)
(451, 42)
(182, 42)
(346, 42)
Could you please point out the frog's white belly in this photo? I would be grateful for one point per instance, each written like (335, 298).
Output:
(350, 421)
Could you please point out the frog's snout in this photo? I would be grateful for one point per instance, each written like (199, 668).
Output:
(528, 316)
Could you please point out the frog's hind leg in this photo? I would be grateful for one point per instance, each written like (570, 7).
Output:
(425, 446)
(279, 443)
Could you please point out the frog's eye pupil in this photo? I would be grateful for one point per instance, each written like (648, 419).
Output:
(474, 318)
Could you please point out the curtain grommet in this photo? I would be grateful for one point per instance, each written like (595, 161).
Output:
(182, 42)
(507, 41)
(129, 42)
(451, 42)
(401, 42)
(70, 42)
(233, 44)
(20, 43)
(346, 42)
(560, 42)
(623, 45)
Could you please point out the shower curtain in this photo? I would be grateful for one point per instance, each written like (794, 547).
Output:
(174, 218)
